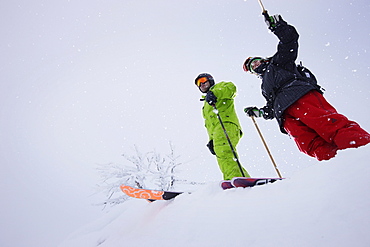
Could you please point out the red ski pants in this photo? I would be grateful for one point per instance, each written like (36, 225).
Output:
(319, 130)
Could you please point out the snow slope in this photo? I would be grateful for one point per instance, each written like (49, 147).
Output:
(73, 75)
(326, 204)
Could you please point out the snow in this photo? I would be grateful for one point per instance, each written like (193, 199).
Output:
(83, 82)
(326, 204)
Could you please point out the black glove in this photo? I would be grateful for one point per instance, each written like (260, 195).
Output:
(267, 112)
(210, 147)
(253, 111)
(268, 20)
(211, 98)
(273, 21)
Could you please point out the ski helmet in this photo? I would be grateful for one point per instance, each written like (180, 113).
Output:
(247, 64)
(205, 75)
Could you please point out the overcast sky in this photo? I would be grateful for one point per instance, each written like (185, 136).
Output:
(82, 82)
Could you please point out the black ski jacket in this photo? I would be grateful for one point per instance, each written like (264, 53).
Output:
(282, 84)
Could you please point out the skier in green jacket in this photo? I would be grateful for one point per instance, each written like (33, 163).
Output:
(221, 96)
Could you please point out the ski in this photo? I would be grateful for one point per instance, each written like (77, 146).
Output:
(154, 195)
(250, 182)
(150, 195)
(226, 184)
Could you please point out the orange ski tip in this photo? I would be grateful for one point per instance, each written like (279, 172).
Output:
(142, 193)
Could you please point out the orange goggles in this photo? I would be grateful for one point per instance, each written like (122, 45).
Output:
(201, 80)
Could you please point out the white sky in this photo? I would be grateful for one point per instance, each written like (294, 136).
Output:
(84, 81)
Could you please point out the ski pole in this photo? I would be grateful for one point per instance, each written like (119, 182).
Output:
(264, 11)
(263, 8)
(228, 140)
(267, 149)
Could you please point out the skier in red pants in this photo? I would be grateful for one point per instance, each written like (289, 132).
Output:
(296, 101)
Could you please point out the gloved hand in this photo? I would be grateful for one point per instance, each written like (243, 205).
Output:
(211, 98)
(273, 21)
(268, 20)
(267, 113)
(253, 111)
(210, 147)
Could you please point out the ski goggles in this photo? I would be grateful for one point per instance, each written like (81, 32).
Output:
(251, 66)
(201, 80)
(249, 63)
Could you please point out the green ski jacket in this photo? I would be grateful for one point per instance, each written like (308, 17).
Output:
(225, 93)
